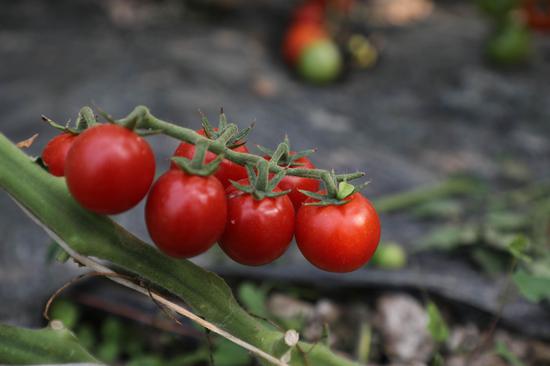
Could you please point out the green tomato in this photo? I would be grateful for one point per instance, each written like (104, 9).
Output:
(510, 45)
(390, 256)
(320, 62)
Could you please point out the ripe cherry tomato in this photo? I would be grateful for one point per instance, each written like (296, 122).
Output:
(338, 238)
(109, 169)
(227, 170)
(299, 36)
(55, 153)
(257, 231)
(185, 214)
(538, 14)
(295, 183)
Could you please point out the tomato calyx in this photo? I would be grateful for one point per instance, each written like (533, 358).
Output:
(197, 166)
(260, 186)
(338, 190)
(231, 140)
(284, 156)
(85, 119)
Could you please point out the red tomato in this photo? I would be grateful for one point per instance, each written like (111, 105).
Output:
(185, 214)
(298, 37)
(55, 153)
(109, 169)
(310, 11)
(538, 14)
(295, 183)
(338, 238)
(257, 231)
(227, 170)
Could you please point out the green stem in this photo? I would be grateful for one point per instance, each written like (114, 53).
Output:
(404, 200)
(148, 121)
(47, 199)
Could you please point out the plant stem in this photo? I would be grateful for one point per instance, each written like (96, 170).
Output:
(147, 121)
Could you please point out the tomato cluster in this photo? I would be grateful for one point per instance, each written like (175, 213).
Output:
(308, 46)
(251, 213)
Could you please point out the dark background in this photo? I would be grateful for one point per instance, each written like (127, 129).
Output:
(432, 107)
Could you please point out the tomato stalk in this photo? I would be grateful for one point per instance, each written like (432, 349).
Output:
(145, 120)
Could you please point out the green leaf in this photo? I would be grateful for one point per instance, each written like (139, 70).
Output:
(533, 288)
(518, 248)
(436, 324)
(229, 354)
(344, 190)
(253, 298)
(43, 346)
(503, 351)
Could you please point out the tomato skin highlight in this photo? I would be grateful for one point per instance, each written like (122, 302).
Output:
(109, 169)
(227, 169)
(257, 231)
(295, 183)
(55, 153)
(185, 214)
(338, 238)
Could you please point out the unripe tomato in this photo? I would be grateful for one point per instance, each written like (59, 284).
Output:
(55, 153)
(320, 62)
(257, 231)
(390, 256)
(185, 214)
(296, 183)
(338, 238)
(299, 36)
(109, 169)
(227, 169)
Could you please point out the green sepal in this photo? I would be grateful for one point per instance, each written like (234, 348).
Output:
(207, 127)
(345, 190)
(260, 186)
(204, 171)
(196, 166)
(349, 176)
(282, 155)
(242, 187)
(251, 174)
(322, 200)
(86, 119)
(237, 139)
(58, 126)
(265, 150)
